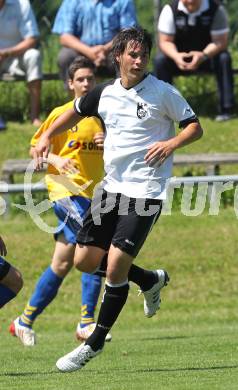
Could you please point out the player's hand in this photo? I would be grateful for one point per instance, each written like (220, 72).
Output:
(3, 249)
(40, 152)
(99, 139)
(158, 152)
(65, 165)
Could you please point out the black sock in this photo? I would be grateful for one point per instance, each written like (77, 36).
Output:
(113, 301)
(143, 278)
(101, 270)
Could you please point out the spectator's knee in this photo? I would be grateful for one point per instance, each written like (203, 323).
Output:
(65, 57)
(32, 63)
(32, 56)
(224, 57)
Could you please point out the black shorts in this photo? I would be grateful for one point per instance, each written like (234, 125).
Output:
(4, 267)
(119, 220)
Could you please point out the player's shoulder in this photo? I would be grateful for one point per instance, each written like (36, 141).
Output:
(60, 109)
(156, 83)
(88, 104)
(161, 88)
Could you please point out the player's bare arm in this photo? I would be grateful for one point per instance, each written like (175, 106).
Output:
(159, 151)
(64, 122)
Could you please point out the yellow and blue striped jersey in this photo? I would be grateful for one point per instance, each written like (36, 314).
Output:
(77, 144)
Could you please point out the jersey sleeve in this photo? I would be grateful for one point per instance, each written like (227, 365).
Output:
(177, 108)
(88, 104)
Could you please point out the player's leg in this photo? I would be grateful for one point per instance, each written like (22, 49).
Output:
(115, 295)
(11, 282)
(45, 291)
(50, 281)
(131, 232)
(126, 235)
(144, 278)
(91, 287)
(87, 259)
(114, 298)
(91, 284)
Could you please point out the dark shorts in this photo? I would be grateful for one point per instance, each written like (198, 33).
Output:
(119, 220)
(4, 267)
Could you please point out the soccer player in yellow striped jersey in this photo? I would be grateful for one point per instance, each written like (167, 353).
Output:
(76, 167)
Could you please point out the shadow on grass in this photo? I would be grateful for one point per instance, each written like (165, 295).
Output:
(181, 337)
(163, 338)
(185, 369)
(22, 374)
(182, 369)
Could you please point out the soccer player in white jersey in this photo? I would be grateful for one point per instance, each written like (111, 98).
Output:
(138, 112)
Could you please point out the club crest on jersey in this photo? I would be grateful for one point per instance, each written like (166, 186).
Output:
(74, 129)
(142, 110)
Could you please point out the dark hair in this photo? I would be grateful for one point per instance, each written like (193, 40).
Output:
(137, 34)
(78, 63)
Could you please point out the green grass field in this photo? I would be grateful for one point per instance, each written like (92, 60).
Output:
(192, 343)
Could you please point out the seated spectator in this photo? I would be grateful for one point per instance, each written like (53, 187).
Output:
(193, 37)
(18, 53)
(88, 27)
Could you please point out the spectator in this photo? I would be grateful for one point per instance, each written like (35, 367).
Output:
(88, 27)
(18, 53)
(193, 37)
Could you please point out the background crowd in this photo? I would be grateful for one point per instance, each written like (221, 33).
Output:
(193, 38)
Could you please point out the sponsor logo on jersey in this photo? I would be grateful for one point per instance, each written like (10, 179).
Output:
(142, 110)
(82, 145)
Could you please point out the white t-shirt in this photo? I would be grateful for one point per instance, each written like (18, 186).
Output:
(166, 23)
(134, 119)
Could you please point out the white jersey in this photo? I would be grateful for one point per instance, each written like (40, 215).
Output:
(135, 119)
